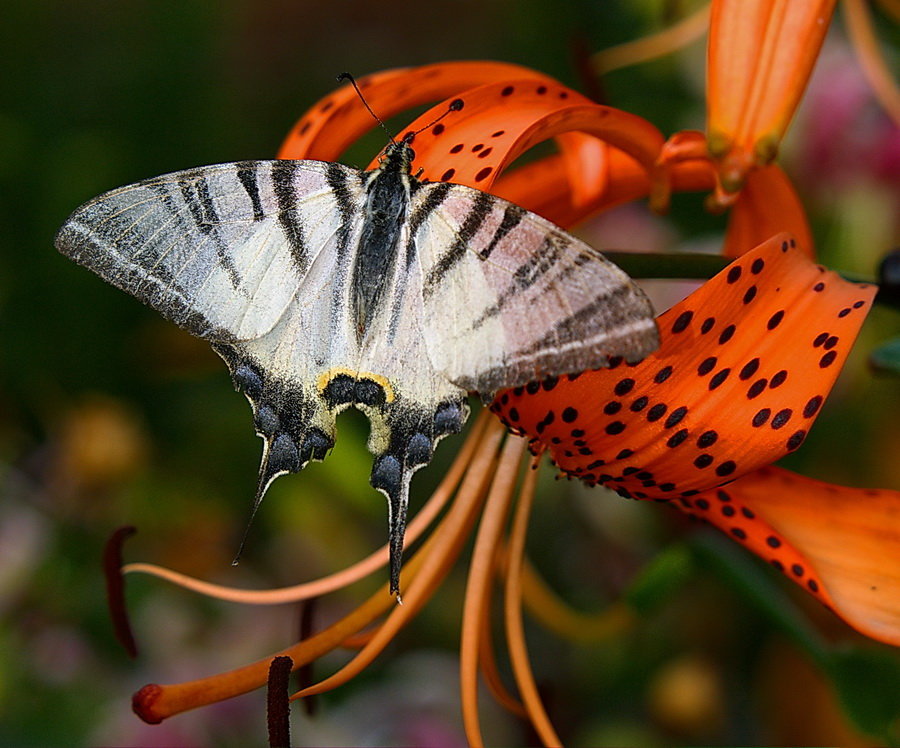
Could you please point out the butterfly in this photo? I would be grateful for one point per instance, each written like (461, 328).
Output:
(324, 287)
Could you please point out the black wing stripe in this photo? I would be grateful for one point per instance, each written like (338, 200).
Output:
(199, 201)
(512, 216)
(525, 276)
(436, 195)
(246, 173)
(288, 216)
(608, 305)
(193, 201)
(336, 177)
(472, 223)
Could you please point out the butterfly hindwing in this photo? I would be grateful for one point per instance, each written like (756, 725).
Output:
(219, 250)
(509, 298)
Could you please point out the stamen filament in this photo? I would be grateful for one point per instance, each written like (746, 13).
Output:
(478, 586)
(515, 631)
(652, 46)
(487, 662)
(558, 616)
(154, 702)
(874, 66)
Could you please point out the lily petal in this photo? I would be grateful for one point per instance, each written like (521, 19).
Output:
(841, 544)
(760, 56)
(744, 365)
(334, 122)
(499, 121)
(766, 205)
(545, 186)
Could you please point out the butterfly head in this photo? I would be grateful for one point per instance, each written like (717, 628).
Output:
(398, 156)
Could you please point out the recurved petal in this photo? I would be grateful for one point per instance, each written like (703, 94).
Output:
(840, 544)
(546, 186)
(499, 121)
(333, 123)
(744, 366)
(760, 56)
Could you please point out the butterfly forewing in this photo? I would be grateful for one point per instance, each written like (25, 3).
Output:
(509, 297)
(220, 250)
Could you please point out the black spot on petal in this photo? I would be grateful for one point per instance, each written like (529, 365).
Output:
(828, 359)
(726, 468)
(812, 406)
(707, 365)
(707, 439)
(727, 334)
(684, 319)
(756, 388)
(677, 438)
(624, 386)
(775, 320)
(749, 369)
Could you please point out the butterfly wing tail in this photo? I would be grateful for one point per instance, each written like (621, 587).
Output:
(409, 434)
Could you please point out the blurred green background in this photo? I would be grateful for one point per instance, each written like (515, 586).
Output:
(109, 415)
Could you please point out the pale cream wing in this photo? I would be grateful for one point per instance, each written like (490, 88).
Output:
(219, 250)
(509, 298)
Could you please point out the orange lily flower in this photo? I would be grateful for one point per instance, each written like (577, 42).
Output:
(745, 365)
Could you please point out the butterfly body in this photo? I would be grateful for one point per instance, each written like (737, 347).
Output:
(325, 287)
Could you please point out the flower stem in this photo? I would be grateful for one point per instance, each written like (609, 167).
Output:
(664, 265)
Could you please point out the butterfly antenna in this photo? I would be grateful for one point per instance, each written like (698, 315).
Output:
(454, 106)
(347, 77)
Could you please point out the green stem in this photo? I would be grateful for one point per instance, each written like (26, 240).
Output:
(696, 266)
(662, 265)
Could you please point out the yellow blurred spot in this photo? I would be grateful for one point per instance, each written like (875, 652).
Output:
(686, 697)
(101, 442)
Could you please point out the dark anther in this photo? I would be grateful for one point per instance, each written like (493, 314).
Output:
(115, 588)
(889, 278)
(278, 704)
(305, 672)
(456, 105)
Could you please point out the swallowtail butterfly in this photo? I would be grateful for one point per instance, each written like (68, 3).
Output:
(324, 286)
